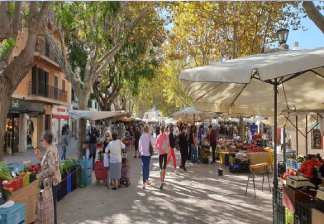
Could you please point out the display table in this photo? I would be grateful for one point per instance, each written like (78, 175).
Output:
(28, 196)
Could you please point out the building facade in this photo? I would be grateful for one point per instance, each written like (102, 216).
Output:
(42, 99)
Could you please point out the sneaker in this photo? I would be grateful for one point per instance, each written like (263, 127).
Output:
(161, 187)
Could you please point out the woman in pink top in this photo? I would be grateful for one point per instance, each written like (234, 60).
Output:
(163, 146)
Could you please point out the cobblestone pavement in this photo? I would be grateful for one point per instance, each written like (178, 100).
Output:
(196, 196)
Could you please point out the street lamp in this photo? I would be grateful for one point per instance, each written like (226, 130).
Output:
(282, 35)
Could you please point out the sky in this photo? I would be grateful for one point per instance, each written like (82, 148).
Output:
(309, 39)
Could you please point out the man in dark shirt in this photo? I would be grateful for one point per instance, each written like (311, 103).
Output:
(93, 136)
(183, 145)
(172, 142)
(213, 136)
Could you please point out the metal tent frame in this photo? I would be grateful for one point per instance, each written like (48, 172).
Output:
(276, 82)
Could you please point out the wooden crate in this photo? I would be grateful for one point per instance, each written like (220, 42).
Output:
(28, 196)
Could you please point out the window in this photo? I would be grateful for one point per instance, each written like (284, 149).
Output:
(63, 85)
(39, 82)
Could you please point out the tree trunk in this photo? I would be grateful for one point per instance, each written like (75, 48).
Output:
(5, 93)
(314, 14)
(83, 105)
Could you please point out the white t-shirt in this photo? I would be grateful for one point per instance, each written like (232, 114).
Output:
(115, 147)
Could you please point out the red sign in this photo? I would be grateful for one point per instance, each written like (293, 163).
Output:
(61, 116)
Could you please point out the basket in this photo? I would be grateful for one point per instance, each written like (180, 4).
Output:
(13, 215)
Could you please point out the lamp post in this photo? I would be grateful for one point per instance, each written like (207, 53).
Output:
(282, 35)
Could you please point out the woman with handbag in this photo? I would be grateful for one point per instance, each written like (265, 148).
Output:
(49, 177)
(146, 151)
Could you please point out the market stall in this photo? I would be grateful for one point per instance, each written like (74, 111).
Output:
(20, 188)
(267, 84)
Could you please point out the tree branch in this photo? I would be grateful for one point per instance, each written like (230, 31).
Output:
(314, 14)
(4, 21)
(21, 64)
(106, 58)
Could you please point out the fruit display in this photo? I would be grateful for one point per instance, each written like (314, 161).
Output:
(34, 168)
(13, 184)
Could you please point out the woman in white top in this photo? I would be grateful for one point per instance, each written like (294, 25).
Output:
(145, 142)
(114, 149)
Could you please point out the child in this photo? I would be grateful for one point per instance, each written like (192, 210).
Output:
(124, 180)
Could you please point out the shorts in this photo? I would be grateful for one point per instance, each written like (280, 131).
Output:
(163, 161)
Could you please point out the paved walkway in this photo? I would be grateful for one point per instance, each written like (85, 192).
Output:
(196, 196)
(72, 152)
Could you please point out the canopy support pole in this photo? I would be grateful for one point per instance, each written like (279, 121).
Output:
(306, 137)
(275, 142)
(284, 146)
(297, 135)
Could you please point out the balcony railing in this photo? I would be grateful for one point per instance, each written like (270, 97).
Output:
(48, 92)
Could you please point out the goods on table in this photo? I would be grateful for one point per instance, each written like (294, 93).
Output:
(34, 168)
(4, 172)
(13, 184)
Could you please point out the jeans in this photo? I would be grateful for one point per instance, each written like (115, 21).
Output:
(172, 155)
(146, 167)
(93, 151)
(194, 153)
(63, 156)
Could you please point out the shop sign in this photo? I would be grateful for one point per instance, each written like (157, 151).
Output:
(60, 112)
(23, 106)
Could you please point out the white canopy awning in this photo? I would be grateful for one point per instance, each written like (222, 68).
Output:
(192, 114)
(239, 86)
(96, 115)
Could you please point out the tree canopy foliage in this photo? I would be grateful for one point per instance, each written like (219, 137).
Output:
(204, 32)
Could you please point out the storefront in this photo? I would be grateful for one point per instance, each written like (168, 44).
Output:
(24, 122)
(60, 117)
